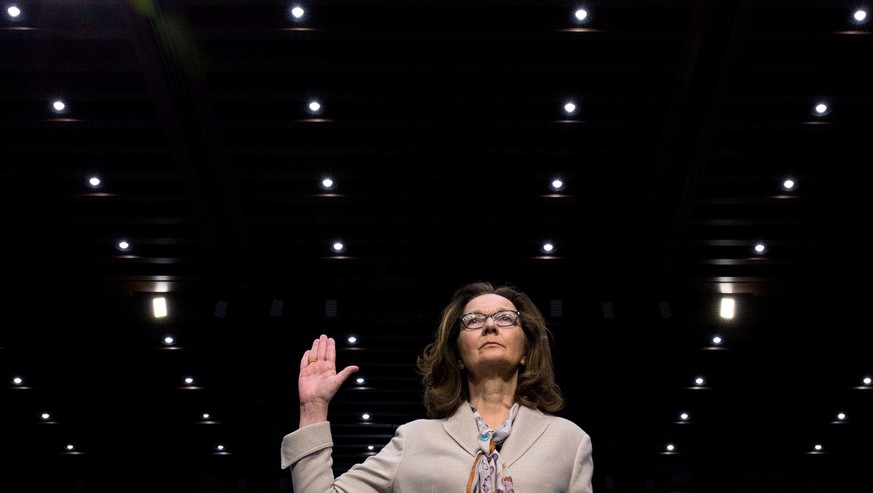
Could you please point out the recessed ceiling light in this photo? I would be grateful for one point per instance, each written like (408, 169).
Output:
(13, 12)
(59, 106)
(327, 183)
(821, 109)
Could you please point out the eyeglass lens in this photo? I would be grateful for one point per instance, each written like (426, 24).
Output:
(504, 318)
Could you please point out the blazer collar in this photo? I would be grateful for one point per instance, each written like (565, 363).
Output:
(529, 425)
(461, 426)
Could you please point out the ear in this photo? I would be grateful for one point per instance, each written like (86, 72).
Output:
(460, 365)
(523, 360)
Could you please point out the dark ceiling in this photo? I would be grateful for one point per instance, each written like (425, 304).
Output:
(442, 125)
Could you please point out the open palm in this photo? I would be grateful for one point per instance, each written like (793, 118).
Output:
(319, 381)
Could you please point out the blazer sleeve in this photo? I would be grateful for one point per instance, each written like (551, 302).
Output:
(307, 451)
(583, 466)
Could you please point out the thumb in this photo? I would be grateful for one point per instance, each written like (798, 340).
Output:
(346, 372)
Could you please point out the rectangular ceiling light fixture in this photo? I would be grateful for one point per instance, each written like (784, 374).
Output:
(159, 307)
(727, 308)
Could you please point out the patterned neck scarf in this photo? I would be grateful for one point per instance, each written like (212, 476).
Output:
(488, 474)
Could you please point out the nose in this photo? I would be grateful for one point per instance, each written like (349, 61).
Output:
(490, 324)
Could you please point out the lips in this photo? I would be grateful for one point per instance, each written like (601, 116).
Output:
(490, 344)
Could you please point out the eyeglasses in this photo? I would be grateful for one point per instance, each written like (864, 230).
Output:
(503, 318)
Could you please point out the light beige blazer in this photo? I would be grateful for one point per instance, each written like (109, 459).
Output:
(544, 454)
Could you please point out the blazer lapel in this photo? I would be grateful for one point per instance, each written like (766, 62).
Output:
(461, 426)
(529, 425)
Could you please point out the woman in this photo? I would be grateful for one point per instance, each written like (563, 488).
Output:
(489, 391)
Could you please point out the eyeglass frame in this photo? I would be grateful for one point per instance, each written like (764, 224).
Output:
(487, 316)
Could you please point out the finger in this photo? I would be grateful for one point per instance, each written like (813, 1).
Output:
(330, 353)
(346, 372)
(322, 347)
(304, 361)
(313, 353)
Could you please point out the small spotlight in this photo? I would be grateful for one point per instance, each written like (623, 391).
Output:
(58, 106)
(821, 109)
(314, 107)
(327, 183)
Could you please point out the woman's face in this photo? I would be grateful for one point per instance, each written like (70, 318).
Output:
(492, 349)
